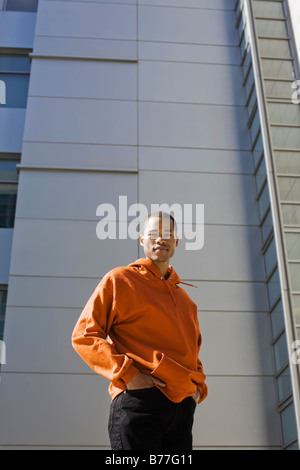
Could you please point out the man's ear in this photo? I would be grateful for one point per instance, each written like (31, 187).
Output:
(177, 241)
(142, 240)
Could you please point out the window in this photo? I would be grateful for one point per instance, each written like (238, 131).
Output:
(275, 48)
(271, 29)
(21, 5)
(267, 226)
(286, 137)
(278, 88)
(270, 258)
(284, 113)
(288, 422)
(258, 150)
(268, 9)
(296, 302)
(287, 162)
(273, 288)
(251, 103)
(8, 190)
(281, 353)
(3, 297)
(293, 245)
(284, 384)
(263, 201)
(277, 319)
(260, 175)
(249, 83)
(14, 73)
(295, 276)
(255, 126)
(247, 61)
(289, 189)
(281, 69)
(291, 214)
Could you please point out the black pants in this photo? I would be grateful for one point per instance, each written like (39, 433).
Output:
(147, 420)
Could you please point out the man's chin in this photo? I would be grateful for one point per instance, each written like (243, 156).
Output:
(161, 255)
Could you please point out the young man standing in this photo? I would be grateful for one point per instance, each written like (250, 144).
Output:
(140, 330)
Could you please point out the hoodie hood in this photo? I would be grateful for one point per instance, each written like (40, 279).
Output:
(145, 266)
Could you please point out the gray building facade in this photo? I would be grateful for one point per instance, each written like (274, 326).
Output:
(165, 102)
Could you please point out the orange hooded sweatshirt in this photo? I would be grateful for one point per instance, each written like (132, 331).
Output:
(136, 320)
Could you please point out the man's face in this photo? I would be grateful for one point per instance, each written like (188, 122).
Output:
(159, 239)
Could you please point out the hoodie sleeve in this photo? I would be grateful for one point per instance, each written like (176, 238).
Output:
(90, 333)
(202, 387)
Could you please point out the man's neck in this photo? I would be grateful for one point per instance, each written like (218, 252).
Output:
(163, 267)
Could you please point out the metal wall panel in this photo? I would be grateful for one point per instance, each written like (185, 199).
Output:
(177, 119)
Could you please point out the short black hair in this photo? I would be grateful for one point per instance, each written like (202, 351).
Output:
(160, 214)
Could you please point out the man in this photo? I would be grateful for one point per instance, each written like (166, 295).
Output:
(140, 330)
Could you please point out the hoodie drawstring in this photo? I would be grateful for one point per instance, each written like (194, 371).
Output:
(181, 282)
(170, 288)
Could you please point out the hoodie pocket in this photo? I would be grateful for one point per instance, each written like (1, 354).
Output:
(180, 381)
